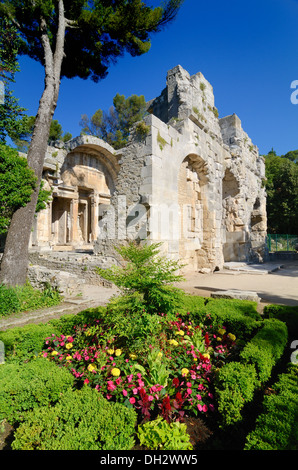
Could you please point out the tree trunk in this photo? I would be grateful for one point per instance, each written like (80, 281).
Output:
(14, 265)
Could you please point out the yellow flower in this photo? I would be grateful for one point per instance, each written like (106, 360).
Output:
(118, 352)
(185, 371)
(173, 342)
(69, 345)
(68, 358)
(180, 332)
(206, 355)
(159, 354)
(91, 368)
(231, 336)
(132, 356)
(111, 351)
(218, 339)
(54, 353)
(221, 331)
(115, 372)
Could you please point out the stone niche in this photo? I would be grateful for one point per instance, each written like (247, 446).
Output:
(193, 182)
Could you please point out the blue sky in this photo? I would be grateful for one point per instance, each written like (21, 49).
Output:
(247, 50)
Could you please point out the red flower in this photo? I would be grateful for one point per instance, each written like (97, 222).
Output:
(176, 382)
(207, 341)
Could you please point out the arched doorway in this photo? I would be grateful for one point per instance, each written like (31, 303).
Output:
(192, 178)
(234, 246)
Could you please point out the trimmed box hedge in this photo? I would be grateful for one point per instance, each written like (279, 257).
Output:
(277, 427)
(237, 381)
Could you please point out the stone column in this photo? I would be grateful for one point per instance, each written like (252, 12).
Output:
(94, 216)
(74, 211)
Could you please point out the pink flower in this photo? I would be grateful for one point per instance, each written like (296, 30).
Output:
(124, 393)
(86, 381)
(189, 391)
(135, 391)
(132, 400)
(150, 398)
(199, 397)
(129, 378)
(111, 385)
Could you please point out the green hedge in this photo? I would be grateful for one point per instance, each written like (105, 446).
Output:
(24, 387)
(23, 343)
(235, 386)
(285, 313)
(237, 381)
(277, 427)
(239, 316)
(266, 347)
(81, 420)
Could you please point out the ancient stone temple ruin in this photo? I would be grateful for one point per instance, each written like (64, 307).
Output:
(186, 178)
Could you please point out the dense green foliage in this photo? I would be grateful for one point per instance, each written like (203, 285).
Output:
(161, 435)
(23, 138)
(81, 420)
(98, 32)
(235, 386)
(266, 348)
(24, 343)
(37, 384)
(277, 426)
(282, 194)
(10, 111)
(114, 126)
(24, 298)
(17, 182)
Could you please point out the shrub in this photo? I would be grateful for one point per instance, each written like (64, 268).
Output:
(24, 387)
(235, 385)
(81, 420)
(241, 317)
(147, 274)
(25, 342)
(277, 427)
(161, 435)
(285, 313)
(66, 323)
(266, 347)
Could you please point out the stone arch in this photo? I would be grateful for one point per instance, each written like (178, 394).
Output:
(234, 246)
(192, 178)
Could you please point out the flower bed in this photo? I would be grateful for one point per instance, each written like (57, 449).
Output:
(173, 378)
